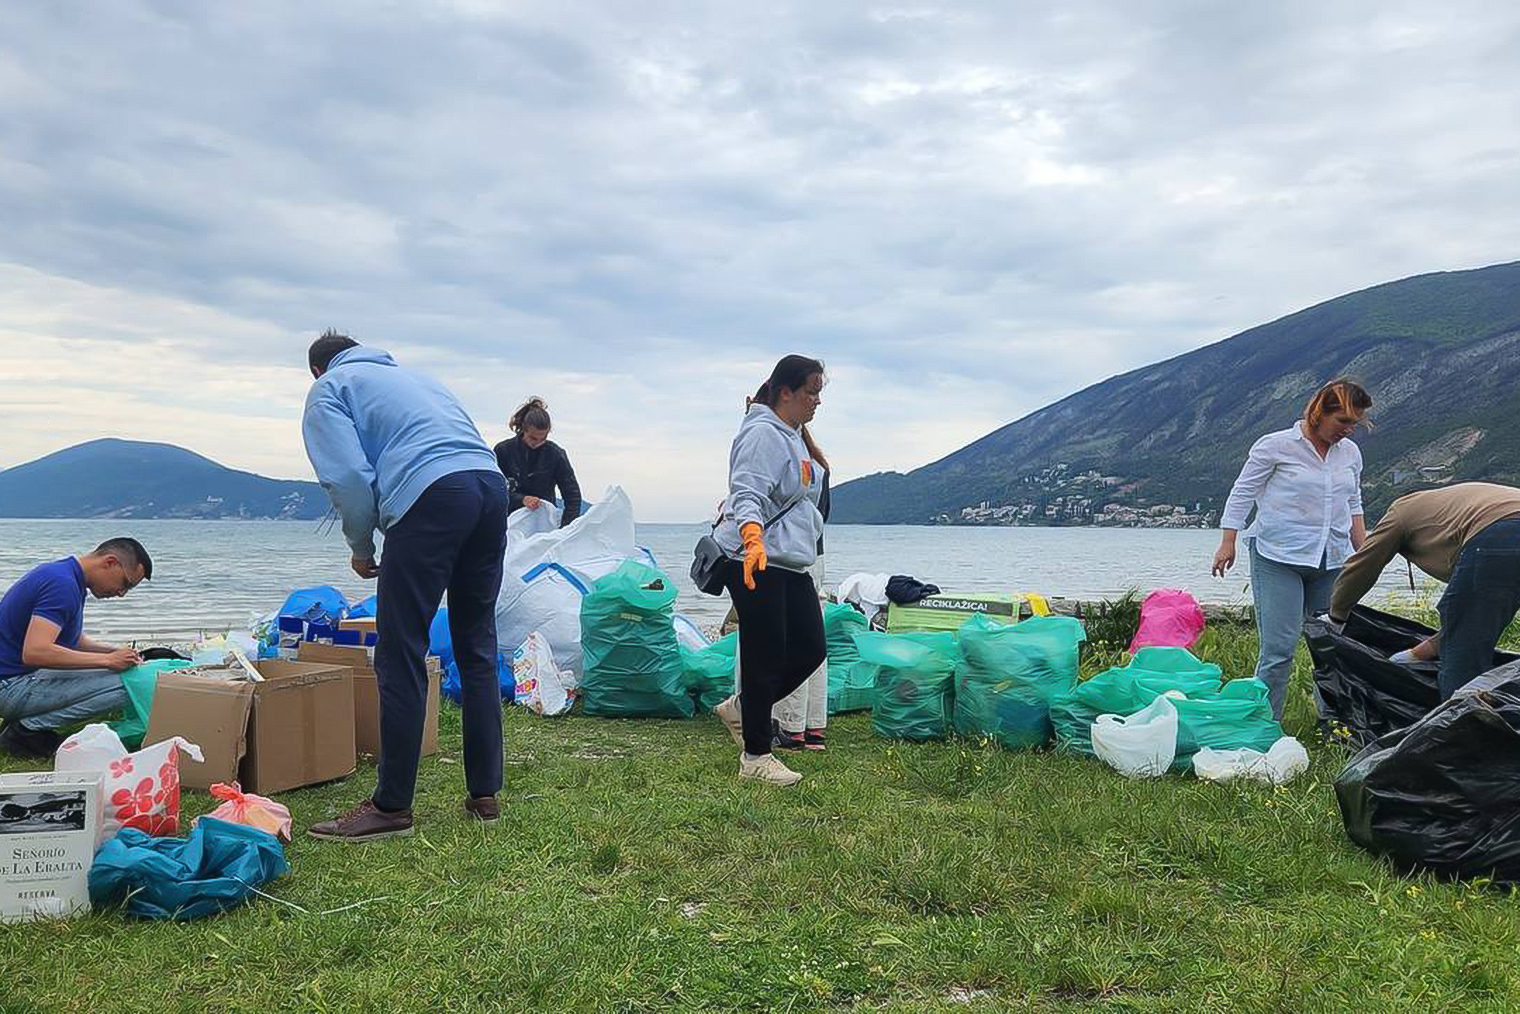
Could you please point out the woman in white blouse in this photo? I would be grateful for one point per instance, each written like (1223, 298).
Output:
(1305, 483)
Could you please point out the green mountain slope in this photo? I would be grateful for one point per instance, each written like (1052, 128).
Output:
(1160, 445)
(131, 479)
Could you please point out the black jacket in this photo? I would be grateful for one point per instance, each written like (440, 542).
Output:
(537, 473)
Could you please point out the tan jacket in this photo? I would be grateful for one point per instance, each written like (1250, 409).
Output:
(1429, 528)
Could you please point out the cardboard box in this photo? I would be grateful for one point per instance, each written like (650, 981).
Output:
(367, 694)
(291, 730)
(365, 624)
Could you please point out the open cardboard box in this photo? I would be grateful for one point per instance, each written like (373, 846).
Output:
(367, 694)
(293, 729)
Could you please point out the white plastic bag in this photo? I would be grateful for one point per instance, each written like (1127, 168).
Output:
(523, 522)
(1284, 762)
(689, 635)
(545, 576)
(541, 687)
(139, 789)
(1142, 745)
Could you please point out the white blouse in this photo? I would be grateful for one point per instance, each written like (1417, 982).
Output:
(1304, 504)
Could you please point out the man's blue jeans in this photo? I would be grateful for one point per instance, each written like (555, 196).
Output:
(1284, 594)
(52, 699)
(1479, 603)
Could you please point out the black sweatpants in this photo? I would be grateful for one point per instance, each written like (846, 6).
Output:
(452, 539)
(780, 644)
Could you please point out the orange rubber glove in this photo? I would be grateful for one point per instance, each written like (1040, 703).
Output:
(754, 552)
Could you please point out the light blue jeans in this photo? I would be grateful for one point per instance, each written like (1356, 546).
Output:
(1285, 595)
(52, 699)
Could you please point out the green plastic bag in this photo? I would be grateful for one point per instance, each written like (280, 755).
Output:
(915, 682)
(1007, 675)
(140, 683)
(633, 663)
(709, 673)
(1240, 715)
(852, 683)
(1125, 690)
(1223, 716)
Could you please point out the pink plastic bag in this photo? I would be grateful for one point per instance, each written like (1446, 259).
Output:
(1168, 617)
(253, 811)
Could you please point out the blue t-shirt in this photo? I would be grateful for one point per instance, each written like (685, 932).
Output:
(54, 591)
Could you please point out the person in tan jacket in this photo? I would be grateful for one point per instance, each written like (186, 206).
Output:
(1467, 535)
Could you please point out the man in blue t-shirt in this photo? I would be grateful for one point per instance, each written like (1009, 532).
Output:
(52, 675)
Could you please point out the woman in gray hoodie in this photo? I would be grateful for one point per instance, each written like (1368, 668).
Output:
(770, 530)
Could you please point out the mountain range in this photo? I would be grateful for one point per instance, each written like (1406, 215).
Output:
(131, 479)
(1161, 445)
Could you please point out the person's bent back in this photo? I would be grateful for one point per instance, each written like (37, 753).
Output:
(397, 452)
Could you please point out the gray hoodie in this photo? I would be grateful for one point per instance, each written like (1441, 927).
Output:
(768, 467)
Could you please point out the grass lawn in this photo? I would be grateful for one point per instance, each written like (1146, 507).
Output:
(632, 872)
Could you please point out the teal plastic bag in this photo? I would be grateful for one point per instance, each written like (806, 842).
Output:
(633, 665)
(915, 682)
(1223, 716)
(1007, 675)
(216, 868)
(709, 673)
(852, 684)
(140, 683)
(1240, 715)
(1124, 690)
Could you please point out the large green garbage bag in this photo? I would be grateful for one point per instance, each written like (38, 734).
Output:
(1007, 675)
(140, 683)
(915, 682)
(709, 673)
(852, 683)
(1125, 690)
(632, 658)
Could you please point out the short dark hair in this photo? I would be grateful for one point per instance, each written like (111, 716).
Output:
(129, 548)
(327, 347)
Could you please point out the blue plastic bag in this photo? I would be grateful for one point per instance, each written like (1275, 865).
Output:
(441, 643)
(323, 604)
(361, 610)
(214, 869)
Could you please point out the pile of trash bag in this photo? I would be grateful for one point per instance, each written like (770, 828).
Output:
(1444, 794)
(633, 666)
(1007, 674)
(915, 682)
(708, 672)
(852, 684)
(1357, 688)
(1210, 713)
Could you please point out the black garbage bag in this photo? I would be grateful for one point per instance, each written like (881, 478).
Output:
(1444, 794)
(1356, 687)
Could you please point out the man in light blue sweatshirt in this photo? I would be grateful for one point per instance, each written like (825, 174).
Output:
(398, 453)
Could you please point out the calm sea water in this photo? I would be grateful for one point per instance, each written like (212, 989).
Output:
(216, 575)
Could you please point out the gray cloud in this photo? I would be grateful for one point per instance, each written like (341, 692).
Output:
(968, 210)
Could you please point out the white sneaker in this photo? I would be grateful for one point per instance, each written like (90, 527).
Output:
(728, 714)
(768, 769)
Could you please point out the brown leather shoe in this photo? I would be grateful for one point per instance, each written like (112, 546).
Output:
(482, 808)
(364, 822)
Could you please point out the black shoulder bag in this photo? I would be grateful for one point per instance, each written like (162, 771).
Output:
(709, 560)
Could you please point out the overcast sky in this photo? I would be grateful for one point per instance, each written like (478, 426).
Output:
(967, 210)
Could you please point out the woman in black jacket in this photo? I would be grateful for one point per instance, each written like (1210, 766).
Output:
(535, 465)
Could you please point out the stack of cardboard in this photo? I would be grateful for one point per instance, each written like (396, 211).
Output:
(295, 728)
(367, 695)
